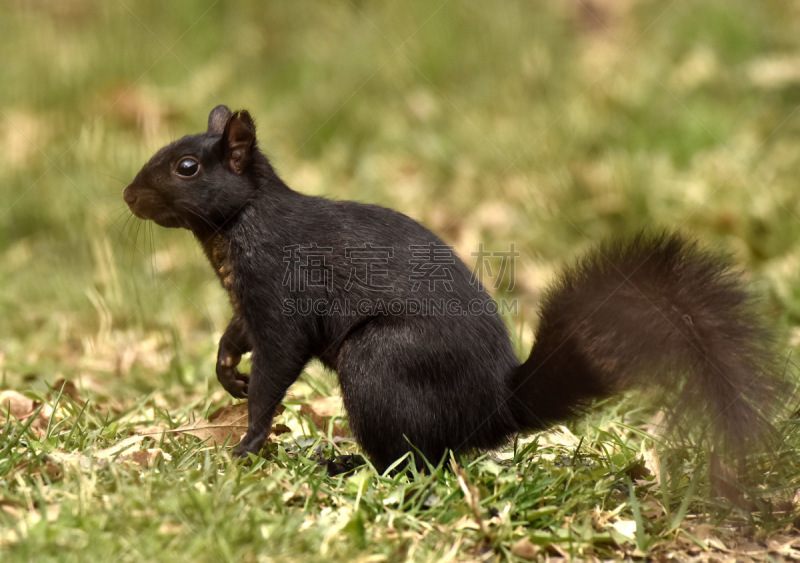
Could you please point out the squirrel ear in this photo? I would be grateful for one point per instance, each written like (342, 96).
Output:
(217, 119)
(238, 141)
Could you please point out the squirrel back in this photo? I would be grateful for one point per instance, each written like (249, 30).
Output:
(652, 312)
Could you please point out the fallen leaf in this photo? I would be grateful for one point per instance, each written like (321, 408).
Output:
(144, 458)
(68, 388)
(126, 446)
(302, 493)
(752, 548)
(471, 495)
(322, 410)
(151, 431)
(717, 544)
(524, 549)
(465, 523)
(53, 471)
(20, 406)
(327, 407)
(555, 549)
(87, 461)
(71, 459)
(653, 463)
(225, 424)
(557, 436)
(652, 509)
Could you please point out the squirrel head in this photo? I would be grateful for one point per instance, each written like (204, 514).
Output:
(199, 182)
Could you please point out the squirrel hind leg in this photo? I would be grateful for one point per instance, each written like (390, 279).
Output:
(402, 394)
(385, 410)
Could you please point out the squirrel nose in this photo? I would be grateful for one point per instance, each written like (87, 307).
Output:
(129, 196)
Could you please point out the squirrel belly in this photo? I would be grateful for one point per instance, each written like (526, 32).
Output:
(655, 311)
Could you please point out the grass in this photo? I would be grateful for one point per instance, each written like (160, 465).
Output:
(549, 125)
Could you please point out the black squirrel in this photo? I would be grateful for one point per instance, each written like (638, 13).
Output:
(653, 311)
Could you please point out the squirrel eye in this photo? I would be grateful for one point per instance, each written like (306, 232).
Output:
(188, 167)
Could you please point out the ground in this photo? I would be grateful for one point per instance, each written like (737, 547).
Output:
(546, 125)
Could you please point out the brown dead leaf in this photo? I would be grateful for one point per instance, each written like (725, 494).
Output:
(524, 549)
(152, 431)
(653, 463)
(559, 436)
(556, 550)
(301, 494)
(87, 461)
(68, 388)
(639, 471)
(652, 509)
(327, 407)
(225, 424)
(76, 460)
(144, 458)
(465, 523)
(126, 446)
(471, 495)
(20, 406)
(752, 549)
(322, 410)
(53, 471)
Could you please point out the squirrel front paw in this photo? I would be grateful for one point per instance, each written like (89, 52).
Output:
(232, 380)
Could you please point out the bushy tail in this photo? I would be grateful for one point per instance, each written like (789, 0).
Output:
(653, 311)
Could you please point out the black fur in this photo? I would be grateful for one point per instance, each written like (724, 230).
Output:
(652, 311)
(643, 312)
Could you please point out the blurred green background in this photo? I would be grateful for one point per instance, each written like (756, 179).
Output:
(549, 125)
(546, 124)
